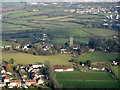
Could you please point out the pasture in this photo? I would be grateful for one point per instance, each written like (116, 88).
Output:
(98, 57)
(64, 40)
(3, 43)
(55, 21)
(77, 79)
(116, 70)
(59, 59)
(23, 58)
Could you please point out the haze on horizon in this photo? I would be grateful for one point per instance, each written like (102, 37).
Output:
(61, 0)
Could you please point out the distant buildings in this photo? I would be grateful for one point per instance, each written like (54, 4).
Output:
(62, 69)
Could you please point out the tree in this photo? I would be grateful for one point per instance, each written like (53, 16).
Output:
(11, 61)
(9, 68)
(53, 83)
(117, 59)
(88, 62)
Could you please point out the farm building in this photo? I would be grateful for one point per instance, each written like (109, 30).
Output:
(62, 69)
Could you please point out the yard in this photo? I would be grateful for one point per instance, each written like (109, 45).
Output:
(77, 79)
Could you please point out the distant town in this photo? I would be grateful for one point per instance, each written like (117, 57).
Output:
(60, 45)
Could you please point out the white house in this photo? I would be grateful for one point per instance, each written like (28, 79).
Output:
(40, 81)
(115, 63)
(96, 68)
(2, 84)
(37, 65)
(91, 50)
(14, 83)
(3, 71)
(7, 46)
(61, 69)
(6, 80)
(9, 73)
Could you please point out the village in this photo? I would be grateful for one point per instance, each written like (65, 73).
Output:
(58, 45)
(32, 75)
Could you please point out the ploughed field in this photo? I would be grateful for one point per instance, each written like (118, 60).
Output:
(77, 79)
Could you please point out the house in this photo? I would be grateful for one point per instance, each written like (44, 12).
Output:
(97, 68)
(14, 83)
(7, 79)
(115, 63)
(40, 81)
(1, 47)
(91, 50)
(8, 73)
(61, 69)
(63, 51)
(2, 84)
(7, 46)
(3, 71)
(30, 82)
(37, 65)
(26, 47)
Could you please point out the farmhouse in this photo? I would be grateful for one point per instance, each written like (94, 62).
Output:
(3, 71)
(62, 69)
(6, 80)
(37, 65)
(96, 68)
(14, 83)
(41, 82)
(29, 82)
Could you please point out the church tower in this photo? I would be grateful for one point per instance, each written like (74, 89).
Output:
(71, 40)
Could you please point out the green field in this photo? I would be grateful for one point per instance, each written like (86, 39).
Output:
(98, 57)
(23, 58)
(3, 43)
(64, 40)
(54, 20)
(78, 79)
(116, 70)
(59, 59)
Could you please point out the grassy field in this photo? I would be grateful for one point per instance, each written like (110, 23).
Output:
(23, 58)
(59, 59)
(64, 40)
(58, 25)
(116, 70)
(3, 43)
(86, 80)
(98, 57)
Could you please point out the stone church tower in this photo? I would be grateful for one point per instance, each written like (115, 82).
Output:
(71, 40)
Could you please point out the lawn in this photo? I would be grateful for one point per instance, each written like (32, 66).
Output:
(23, 58)
(78, 79)
(98, 57)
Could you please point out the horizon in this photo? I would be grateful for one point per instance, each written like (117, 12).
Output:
(60, 1)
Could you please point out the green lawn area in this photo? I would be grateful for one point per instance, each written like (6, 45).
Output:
(23, 58)
(98, 56)
(79, 79)
(3, 43)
